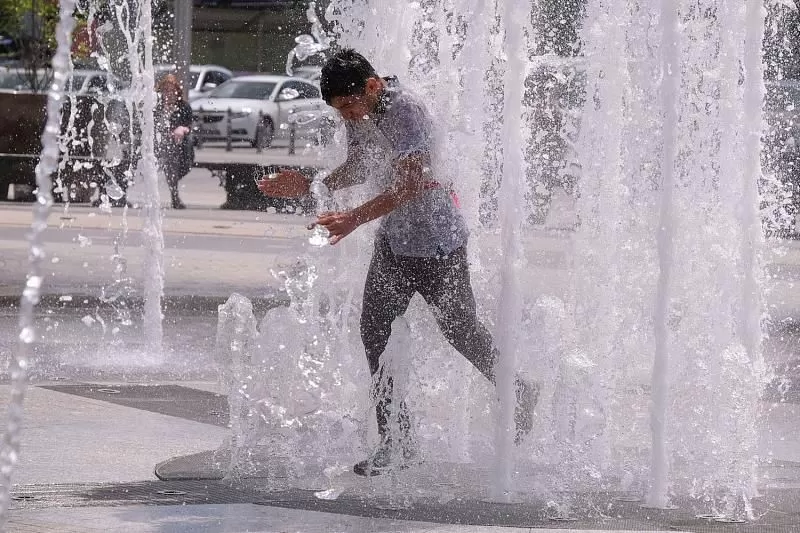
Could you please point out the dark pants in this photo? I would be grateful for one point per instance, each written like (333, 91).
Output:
(176, 160)
(444, 283)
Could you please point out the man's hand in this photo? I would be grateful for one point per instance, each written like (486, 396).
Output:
(340, 225)
(287, 184)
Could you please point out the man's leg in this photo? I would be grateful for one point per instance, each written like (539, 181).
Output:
(444, 282)
(387, 294)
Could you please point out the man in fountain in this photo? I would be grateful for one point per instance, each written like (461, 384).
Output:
(420, 245)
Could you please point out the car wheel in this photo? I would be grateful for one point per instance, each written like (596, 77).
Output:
(265, 132)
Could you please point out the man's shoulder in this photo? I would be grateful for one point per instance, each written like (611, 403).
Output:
(407, 112)
(405, 101)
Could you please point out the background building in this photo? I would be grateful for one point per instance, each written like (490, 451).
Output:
(244, 36)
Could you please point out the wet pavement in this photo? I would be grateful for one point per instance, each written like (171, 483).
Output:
(116, 441)
(93, 455)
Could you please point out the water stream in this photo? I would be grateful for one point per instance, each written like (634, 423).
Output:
(645, 329)
(48, 164)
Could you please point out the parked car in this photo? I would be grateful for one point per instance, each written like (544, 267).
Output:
(202, 78)
(93, 82)
(261, 109)
(309, 72)
(84, 82)
(9, 48)
(18, 79)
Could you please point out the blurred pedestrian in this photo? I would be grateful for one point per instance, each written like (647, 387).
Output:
(174, 148)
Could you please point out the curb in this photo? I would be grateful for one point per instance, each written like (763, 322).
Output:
(194, 304)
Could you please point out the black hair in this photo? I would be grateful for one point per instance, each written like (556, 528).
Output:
(345, 74)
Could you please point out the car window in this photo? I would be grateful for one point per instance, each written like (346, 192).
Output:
(304, 90)
(251, 90)
(216, 77)
(310, 91)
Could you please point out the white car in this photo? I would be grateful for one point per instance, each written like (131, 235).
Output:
(202, 78)
(83, 82)
(261, 108)
(93, 82)
(311, 73)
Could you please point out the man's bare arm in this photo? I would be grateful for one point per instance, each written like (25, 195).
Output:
(410, 183)
(346, 175)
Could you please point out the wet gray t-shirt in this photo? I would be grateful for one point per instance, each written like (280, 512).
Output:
(430, 224)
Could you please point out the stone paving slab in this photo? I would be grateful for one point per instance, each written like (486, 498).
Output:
(416, 495)
(181, 502)
(173, 400)
(231, 518)
(72, 439)
(32, 503)
(776, 511)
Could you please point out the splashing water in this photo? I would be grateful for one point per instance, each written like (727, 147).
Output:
(48, 163)
(321, 195)
(628, 323)
(143, 76)
(653, 323)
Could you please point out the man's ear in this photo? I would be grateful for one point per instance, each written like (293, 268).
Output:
(373, 87)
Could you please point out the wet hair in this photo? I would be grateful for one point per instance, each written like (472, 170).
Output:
(345, 74)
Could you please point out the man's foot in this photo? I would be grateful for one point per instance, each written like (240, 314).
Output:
(385, 460)
(177, 204)
(527, 395)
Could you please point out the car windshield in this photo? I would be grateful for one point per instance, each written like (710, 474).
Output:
(251, 90)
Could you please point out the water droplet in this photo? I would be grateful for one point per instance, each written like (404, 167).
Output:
(320, 236)
(27, 335)
(114, 191)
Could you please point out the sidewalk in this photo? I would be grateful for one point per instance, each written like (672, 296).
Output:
(100, 415)
(88, 466)
(100, 478)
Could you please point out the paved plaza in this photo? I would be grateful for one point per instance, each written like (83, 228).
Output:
(125, 448)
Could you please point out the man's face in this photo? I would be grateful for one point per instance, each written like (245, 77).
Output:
(359, 106)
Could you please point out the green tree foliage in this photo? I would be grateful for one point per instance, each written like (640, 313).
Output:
(32, 24)
(30, 20)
